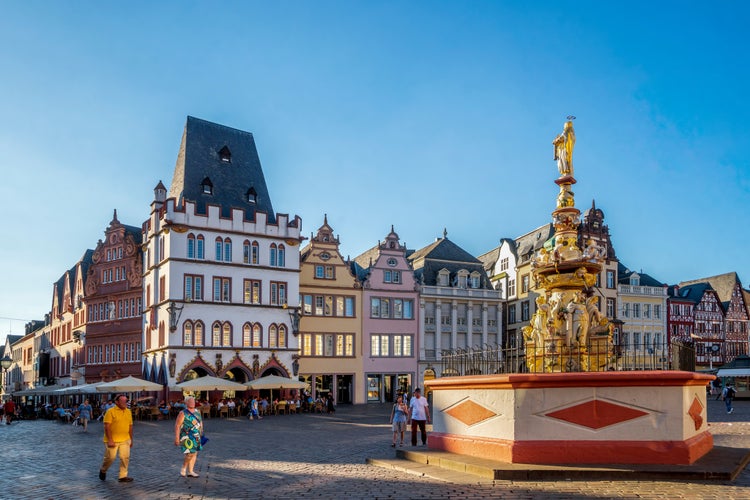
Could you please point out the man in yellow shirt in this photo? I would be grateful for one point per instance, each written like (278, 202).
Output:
(118, 438)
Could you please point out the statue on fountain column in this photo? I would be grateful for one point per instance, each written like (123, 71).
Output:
(564, 144)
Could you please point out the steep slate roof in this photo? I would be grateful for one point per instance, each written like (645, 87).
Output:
(722, 283)
(200, 157)
(693, 293)
(444, 254)
(623, 277)
(368, 257)
(533, 240)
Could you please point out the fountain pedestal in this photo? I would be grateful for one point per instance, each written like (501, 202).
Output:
(646, 417)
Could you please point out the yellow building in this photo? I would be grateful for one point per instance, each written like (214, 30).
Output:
(330, 338)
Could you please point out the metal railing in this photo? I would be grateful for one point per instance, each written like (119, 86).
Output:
(495, 359)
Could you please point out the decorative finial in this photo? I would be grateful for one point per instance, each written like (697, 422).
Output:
(445, 232)
(114, 216)
(570, 118)
(325, 219)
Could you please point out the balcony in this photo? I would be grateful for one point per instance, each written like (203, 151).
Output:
(462, 293)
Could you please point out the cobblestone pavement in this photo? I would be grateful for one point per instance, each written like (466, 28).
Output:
(296, 456)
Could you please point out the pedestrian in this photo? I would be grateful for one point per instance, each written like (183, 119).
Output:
(419, 412)
(728, 395)
(84, 414)
(188, 430)
(118, 438)
(10, 411)
(398, 420)
(254, 409)
(329, 403)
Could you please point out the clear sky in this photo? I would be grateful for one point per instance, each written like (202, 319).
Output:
(423, 115)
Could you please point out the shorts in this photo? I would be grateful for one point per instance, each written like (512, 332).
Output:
(399, 426)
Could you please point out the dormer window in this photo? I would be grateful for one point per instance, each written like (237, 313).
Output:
(251, 195)
(225, 155)
(207, 186)
(443, 278)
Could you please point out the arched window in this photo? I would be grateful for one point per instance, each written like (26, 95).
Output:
(191, 246)
(282, 336)
(226, 334)
(200, 245)
(246, 252)
(216, 334)
(254, 253)
(272, 257)
(227, 250)
(273, 336)
(257, 335)
(198, 340)
(251, 195)
(207, 186)
(187, 333)
(282, 256)
(219, 249)
(246, 335)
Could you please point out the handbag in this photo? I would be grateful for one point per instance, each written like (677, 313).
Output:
(204, 440)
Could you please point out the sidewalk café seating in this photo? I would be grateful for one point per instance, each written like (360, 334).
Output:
(281, 407)
(154, 414)
(206, 411)
(224, 412)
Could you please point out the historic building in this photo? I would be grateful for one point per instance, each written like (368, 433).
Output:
(458, 307)
(67, 325)
(732, 300)
(593, 228)
(641, 342)
(330, 339)
(680, 317)
(221, 267)
(112, 296)
(708, 328)
(390, 319)
(13, 375)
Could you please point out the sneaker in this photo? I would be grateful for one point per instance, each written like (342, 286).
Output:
(393, 445)
(126, 479)
(730, 411)
(102, 474)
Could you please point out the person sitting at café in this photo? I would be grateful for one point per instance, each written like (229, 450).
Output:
(232, 406)
(164, 408)
(64, 414)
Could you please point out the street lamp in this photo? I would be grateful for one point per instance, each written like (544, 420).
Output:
(5, 364)
(175, 312)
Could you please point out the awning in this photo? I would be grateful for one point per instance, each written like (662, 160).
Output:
(733, 372)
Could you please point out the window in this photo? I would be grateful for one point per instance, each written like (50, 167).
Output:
(278, 293)
(647, 310)
(324, 272)
(251, 195)
(384, 345)
(198, 339)
(162, 288)
(281, 257)
(254, 253)
(227, 250)
(443, 277)
(504, 264)
(392, 276)
(474, 280)
(626, 310)
(657, 311)
(511, 287)
(187, 333)
(636, 310)
(525, 283)
(512, 313)
(251, 292)
(610, 308)
(327, 344)
(193, 288)
(199, 247)
(219, 249)
(246, 335)
(272, 256)
(225, 155)
(246, 252)
(610, 279)
(257, 335)
(222, 289)
(216, 334)
(206, 186)
(226, 334)
(273, 336)
(525, 310)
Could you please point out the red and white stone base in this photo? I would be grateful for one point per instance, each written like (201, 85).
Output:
(644, 417)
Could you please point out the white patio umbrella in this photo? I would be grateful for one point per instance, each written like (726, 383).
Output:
(209, 383)
(276, 382)
(81, 389)
(129, 384)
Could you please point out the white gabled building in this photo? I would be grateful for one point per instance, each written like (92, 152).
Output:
(221, 268)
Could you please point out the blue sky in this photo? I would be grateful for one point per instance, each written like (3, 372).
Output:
(421, 115)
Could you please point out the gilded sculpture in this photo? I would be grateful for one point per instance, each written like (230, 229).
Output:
(567, 332)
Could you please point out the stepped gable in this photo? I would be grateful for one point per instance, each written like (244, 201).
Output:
(226, 160)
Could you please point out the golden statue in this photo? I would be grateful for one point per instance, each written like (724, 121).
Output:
(564, 144)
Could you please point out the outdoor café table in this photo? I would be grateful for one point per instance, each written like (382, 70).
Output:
(281, 407)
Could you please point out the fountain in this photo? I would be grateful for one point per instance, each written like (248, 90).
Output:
(570, 408)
